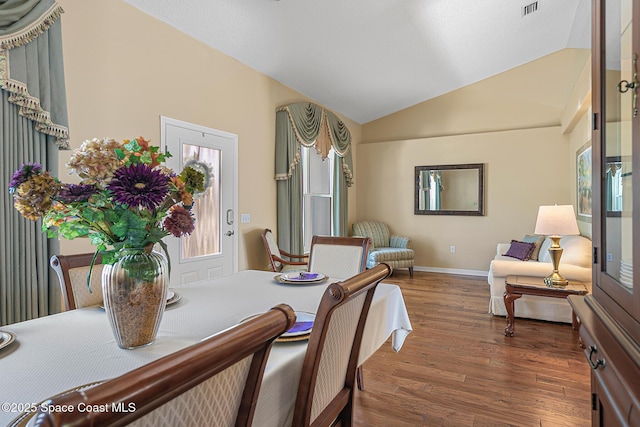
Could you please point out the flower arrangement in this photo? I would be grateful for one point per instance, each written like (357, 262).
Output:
(126, 196)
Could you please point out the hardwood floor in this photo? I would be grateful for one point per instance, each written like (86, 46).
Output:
(458, 369)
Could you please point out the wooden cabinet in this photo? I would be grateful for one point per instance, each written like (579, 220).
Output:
(610, 317)
(614, 359)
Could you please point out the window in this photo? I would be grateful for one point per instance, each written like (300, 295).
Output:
(317, 194)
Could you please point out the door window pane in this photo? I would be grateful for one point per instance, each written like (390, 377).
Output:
(205, 239)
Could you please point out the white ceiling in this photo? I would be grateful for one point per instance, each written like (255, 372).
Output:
(366, 59)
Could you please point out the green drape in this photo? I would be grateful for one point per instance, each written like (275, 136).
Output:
(33, 121)
(31, 65)
(309, 125)
(289, 186)
(12, 11)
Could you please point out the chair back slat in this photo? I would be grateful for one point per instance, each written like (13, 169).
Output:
(325, 391)
(338, 257)
(280, 260)
(272, 249)
(334, 361)
(72, 271)
(223, 392)
(219, 377)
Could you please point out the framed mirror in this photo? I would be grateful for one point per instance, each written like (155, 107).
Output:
(449, 190)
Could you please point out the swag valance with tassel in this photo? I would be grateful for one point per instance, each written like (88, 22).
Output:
(309, 125)
(30, 32)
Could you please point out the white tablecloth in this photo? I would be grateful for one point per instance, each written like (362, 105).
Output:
(59, 352)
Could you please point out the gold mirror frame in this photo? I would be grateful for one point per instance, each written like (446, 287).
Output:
(473, 205)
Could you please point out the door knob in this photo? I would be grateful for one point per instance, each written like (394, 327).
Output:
(229, 233)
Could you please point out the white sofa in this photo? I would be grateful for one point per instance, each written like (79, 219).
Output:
(575, 264)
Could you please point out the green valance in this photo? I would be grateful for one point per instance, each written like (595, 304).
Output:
(31, 65)
(311, 125)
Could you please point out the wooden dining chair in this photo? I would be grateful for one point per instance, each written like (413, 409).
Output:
(212, 383)
(72, 271)
(326, 388)
(338, 257)
(277, 256)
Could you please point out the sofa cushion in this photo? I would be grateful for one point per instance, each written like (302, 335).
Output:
(576, 250)
(390, 254)
(537, 241)
(520, 250)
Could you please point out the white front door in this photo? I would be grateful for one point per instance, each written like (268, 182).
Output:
(212, 249)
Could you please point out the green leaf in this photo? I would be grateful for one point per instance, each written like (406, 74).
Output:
(133, 146)
(119, 153)
(109, 257)
(155, 235)
(93, 215)
(72, 229)
(146, 158)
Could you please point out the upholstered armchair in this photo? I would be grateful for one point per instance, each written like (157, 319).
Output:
(390, 249)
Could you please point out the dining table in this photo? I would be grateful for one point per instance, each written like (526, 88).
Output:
(65, 351)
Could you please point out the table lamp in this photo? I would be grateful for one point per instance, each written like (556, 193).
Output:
(556, 221)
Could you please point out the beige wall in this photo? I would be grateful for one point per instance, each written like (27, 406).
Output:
(530, 96)
(517, 180)
(125, 69)
(513, 123)
(576, 123)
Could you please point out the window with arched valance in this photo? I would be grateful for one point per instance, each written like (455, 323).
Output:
(309, 125)
(34, 126)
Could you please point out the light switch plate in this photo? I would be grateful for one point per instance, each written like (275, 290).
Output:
(245, 218)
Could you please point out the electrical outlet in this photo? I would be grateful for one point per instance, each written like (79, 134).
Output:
(245, 218)
(609, 257)
(452, 249)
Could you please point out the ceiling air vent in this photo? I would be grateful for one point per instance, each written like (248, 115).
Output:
(529, 8)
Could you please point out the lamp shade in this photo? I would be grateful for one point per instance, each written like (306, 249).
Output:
(556, 220)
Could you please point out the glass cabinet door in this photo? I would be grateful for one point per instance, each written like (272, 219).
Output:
(616, 108)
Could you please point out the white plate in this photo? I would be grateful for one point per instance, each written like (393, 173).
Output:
(295, 278)
(626, 284)
(173, 297)
(6, 338)
(301, 316)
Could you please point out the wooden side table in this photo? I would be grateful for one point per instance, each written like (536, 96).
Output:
(516, 286)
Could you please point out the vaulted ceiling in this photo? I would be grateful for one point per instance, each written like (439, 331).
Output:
(366, 59)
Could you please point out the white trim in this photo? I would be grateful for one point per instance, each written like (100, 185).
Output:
(480, 273)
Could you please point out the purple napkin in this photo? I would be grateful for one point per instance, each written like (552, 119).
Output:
(304, 276)
(300, 326)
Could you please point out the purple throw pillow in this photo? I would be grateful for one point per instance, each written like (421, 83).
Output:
(520, 250)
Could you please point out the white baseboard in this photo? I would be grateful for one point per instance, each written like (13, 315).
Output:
(480, 273)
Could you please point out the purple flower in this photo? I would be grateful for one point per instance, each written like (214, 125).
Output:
(139, 186)
(179, 222)
(26, 171)
(70, 193)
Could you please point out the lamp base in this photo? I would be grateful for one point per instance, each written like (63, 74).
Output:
(555, 280)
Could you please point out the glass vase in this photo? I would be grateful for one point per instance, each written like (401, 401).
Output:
(134, 291)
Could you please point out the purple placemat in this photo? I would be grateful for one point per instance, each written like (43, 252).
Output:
(304, 276)
(300, 326)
